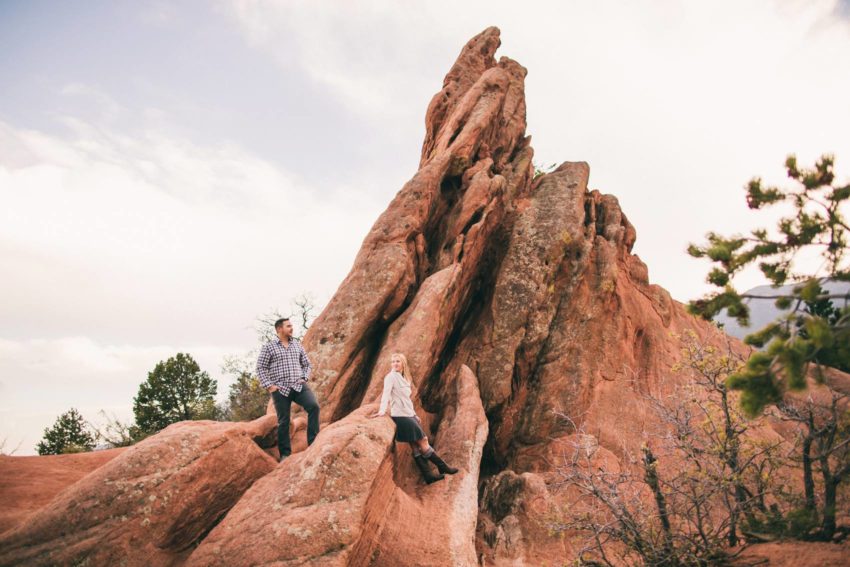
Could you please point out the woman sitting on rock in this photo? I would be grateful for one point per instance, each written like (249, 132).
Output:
(397, 390)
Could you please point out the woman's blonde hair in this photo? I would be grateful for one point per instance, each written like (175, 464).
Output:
(405, 369)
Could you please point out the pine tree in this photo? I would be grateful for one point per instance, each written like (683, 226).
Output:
(804, 340)
(175, 390)
(69, 434)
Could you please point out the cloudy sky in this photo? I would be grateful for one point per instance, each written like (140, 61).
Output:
(171, 170)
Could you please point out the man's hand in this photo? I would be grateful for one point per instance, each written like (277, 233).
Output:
(273, 389)
(376, 414)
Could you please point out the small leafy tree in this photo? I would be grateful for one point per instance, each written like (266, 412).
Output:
(824, 447)
(700, 481)
(636, 515)
(712, 435)
(247, 399)
(813, 332)
(175, 390)
(69, 434)
(543, 169)
(117, 433)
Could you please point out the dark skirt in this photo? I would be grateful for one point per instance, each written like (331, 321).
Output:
(407, 429)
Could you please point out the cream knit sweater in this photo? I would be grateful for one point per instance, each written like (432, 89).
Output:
(396, 393)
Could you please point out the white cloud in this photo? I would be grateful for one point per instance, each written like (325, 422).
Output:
(372, 54)
(107, 230)
(158, 12)
(107, 106)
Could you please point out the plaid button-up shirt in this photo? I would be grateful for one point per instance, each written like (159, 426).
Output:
(282, 366)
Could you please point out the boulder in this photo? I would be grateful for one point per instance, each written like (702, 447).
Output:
(147, 506)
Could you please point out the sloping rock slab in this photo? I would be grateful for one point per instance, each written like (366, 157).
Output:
(149, 505)
(29, 482)
(315, 505)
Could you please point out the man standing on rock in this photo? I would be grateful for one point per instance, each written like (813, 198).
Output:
(283, 368)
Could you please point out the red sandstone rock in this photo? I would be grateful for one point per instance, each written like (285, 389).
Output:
(442, 219)
(513, 523)
(27, 483)
(435, 525)
(338, 502)
(315, 506)
(147, 506)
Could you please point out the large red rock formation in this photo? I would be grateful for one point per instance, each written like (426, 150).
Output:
(417, 269)
(523, 314)
(350, 498)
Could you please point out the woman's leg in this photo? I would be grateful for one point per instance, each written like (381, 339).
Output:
(419, 456)
(428, 452)
(421, 446)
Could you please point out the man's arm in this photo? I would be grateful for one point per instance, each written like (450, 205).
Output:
(263, 361)
(306, 367)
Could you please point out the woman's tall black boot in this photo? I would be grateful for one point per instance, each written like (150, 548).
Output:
(441, 464)
(425, 469)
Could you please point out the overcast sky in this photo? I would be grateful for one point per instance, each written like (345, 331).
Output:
(170, 171)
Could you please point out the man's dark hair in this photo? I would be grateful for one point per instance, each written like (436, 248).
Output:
(279, 323)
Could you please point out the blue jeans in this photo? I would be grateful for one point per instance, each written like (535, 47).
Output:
(282, 404)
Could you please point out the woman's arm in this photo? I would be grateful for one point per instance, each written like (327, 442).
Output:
(385, 396)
